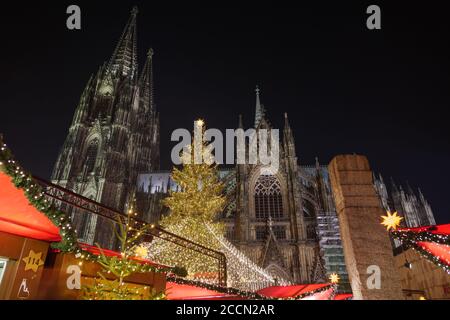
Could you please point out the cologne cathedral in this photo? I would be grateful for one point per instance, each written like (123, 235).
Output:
(286, 223)
(113, 137)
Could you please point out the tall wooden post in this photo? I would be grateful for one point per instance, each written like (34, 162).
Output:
(367, 248)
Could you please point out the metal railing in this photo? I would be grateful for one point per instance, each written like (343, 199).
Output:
(63, 195)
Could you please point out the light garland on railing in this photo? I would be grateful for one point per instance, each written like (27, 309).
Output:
(35, 195)
(241, 270)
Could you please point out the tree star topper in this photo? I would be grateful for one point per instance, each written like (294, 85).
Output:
(391, 221)
(141, 251)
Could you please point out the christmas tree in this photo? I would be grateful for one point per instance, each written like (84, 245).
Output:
(110, 283)
(193, 209)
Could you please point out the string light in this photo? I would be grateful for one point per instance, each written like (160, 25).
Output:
(412, 239)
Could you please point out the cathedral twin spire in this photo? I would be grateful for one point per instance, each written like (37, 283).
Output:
(124, 59)
(124, 62)
(146, 79)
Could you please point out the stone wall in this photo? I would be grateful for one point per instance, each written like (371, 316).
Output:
(365, 241)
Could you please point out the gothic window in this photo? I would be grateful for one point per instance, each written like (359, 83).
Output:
(311, 232)
(279, 232)
(91, 155)
(261, 232)
(308, 209)
(268, 199)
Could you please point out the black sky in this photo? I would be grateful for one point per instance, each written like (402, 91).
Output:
(346, 89)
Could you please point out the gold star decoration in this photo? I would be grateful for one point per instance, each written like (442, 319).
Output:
(141, 252)
(200, 122)
(334, 278)
(391, 221)
(33, 261)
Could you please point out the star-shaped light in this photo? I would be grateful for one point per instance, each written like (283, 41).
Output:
(141, 252)
(200, 122)
(334, 278)
(391, 221)
(33, 261)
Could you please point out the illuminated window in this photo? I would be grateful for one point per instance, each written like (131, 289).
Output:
(268, 199)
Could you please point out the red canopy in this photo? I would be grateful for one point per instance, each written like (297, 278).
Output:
(177, 291)
(438, 250)
(436, 245)
(442, 229)
(19, 217)
(321, 295)
(291, 291)
(343, 296)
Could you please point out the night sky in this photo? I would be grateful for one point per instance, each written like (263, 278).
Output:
(346, 89)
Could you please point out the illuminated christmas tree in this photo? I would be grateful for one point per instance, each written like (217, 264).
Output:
(111, 282)
(193, 212)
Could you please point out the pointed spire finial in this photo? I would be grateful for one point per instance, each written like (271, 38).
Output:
(146, 80)
(259, 112)
(124, 58)
(286, 122)
(240, 124)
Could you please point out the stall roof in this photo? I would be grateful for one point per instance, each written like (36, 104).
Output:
(442, 229)
(19, 217)
(343, 296)
(432, 241)
(176, 291)
(291, 291)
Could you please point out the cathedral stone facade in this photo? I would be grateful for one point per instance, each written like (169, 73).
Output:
(113, 137)
(414, 208)
(285, 222)
(273, 218)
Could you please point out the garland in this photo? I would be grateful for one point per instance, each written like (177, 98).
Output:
(35, 195)
(69, 244)
(214, 287)
(410, 239)
(246, 294)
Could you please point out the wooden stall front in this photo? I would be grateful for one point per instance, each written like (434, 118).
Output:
(64, 276)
